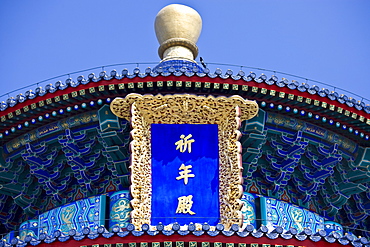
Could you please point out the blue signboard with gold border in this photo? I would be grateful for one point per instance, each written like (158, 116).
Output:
(160, 186)
(185, 173)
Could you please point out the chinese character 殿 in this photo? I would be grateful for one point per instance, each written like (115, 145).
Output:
(184, 205)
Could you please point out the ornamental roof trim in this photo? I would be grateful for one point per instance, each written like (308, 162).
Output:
(185, 76)
(189, 69)
(192, 230)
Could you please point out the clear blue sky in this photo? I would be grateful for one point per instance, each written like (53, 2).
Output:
(328, 41)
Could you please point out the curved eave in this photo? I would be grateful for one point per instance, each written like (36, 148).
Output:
(110, 87)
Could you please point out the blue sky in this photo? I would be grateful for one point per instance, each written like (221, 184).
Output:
(327, 41)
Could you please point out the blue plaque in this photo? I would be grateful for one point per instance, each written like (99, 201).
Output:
(185, 174)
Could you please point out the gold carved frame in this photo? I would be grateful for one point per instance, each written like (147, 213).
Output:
(226, 112)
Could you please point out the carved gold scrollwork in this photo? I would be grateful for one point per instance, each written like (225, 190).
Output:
(227, 112)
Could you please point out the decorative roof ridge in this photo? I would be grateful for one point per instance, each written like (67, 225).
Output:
(189, 72)
(205, 229)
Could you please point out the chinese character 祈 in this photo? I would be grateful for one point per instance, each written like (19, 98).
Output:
(184, 143)
(185, 204)
(185, 174)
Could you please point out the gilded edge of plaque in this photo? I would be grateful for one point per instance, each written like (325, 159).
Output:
(227, 112)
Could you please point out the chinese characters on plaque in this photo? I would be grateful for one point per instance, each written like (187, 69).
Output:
(185, 202)
(185, 173)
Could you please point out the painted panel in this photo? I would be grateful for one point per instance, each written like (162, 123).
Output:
(185, 174)
(120, 209)
(29, 227)
(52, 128)
(89, 212)
(278, 213)
(249, 210)
(299, 125)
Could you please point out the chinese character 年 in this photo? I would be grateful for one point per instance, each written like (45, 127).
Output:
(185, 174)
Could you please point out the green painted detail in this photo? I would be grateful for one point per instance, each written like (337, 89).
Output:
(229, 244)
(192, 244)
(92, 90)
(205, 244)
(281, 95)
(169, 83)
(168, 244)
(225, 86)
(107, 120)
(81, 119)
(216, 85)
(363, 158)
(252, 140)
(272, 92)
(131, 244)
(180, 244)
(256, 124)
(235, 87)
(159, 83)
(263, 91)
(188, 84)
(298, 125)
(245, 88)
(351, 188)
(198, 84)
(178, 83)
